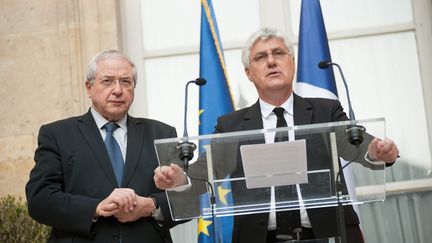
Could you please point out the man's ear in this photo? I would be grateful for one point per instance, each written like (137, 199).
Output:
(88, 87)
(247, 71)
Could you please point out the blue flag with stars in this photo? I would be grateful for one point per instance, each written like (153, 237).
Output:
(215, 100)
(223, 225)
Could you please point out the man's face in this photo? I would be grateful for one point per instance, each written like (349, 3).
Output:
(271, 67)
(112, 92)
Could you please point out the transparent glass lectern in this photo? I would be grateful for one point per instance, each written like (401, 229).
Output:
(241, 169)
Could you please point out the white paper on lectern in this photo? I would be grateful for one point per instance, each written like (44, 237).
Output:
(276, 164)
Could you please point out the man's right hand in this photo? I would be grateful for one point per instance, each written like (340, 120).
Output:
(121, 199)
(167, 177)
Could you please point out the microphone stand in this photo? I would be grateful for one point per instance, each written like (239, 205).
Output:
(340, 215)
(186, 149)
(186, 152)
(355, 137)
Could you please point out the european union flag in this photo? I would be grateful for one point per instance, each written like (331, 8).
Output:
(205, 225)
(215, 100)
(223, 225)
(215, 97)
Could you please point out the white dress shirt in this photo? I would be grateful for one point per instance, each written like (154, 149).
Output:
(269, 119)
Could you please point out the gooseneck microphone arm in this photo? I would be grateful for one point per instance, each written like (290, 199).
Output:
(355, 132)
(327, 64)
(186, 149)
(185, 133)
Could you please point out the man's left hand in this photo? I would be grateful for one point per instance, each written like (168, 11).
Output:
(383, 150)
(144, 208)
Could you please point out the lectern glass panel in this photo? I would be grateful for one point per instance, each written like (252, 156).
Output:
(236, 173)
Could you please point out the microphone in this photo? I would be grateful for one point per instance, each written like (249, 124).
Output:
(185, 147)
(355, 132)
(199, 81)
(324, 64)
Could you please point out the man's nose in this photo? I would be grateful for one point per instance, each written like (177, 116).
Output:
(270, 58)
(271, 61)
(117, 88)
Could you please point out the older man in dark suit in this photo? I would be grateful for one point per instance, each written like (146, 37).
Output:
(92, 181)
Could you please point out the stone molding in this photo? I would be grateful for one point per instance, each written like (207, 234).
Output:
(45, 46)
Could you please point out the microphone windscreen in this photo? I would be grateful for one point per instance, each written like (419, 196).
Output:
(200, 81)
(324, 64)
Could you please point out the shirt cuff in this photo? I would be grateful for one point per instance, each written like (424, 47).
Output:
(369, 159)
(157, 214)
(95, 219)
(182, 188)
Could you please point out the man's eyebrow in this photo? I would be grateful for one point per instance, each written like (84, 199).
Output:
(278, 49)
(274, 49)
(113, 76)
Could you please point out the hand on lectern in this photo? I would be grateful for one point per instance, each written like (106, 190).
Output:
(167, 177)
(383, 150)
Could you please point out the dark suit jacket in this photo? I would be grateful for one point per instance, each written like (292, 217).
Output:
(73, 173)
(253, 228)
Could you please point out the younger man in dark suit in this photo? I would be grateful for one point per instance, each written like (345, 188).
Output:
(268, 59)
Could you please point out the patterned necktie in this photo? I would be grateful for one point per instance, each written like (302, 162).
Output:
(114, 151)
(286, 221)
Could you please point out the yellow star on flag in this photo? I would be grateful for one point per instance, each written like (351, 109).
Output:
(222, 194)
(202, 226)
(199, 114)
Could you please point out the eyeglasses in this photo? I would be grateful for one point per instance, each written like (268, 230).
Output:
(277, 54)
(124, 83)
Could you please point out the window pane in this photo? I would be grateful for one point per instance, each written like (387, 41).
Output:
(174, 24)
(340, 15)
(166, 79)
(384, 81)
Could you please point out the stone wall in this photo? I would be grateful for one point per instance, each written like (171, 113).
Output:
(45, 46)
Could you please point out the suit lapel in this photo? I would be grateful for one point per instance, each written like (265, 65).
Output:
(135, 144)
(252, 119)
(91, 133)
(302, 111)
(303, 115)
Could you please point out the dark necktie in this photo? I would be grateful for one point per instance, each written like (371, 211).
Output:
(286, 221)
(281, 122)
(114, 151)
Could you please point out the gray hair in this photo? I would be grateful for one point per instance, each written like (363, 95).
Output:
(108, 54)
(264, 33)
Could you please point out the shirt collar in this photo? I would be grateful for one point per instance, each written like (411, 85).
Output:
(267, 109)
(101, 121)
